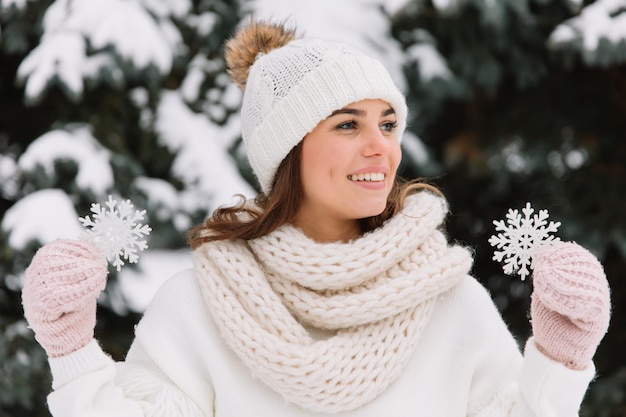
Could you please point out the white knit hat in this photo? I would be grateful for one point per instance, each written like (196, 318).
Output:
(292, 88)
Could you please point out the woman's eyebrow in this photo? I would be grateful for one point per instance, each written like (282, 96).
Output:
(347, 110)
(359, 112)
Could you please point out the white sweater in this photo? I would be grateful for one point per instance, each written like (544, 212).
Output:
(466, 364)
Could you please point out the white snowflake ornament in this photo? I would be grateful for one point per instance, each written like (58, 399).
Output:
(520, 238)
(115, 229)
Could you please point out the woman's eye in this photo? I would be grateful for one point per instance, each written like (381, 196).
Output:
(347, 125)
(389, 126)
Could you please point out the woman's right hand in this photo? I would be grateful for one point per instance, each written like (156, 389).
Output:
(61, 287)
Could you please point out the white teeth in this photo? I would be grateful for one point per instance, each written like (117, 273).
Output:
(370, 176)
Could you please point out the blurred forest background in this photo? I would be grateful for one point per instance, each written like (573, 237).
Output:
(511, 101)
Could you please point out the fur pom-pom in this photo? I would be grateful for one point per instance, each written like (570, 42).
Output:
(248, 42)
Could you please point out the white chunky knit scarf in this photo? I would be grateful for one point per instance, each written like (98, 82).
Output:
(373, 296)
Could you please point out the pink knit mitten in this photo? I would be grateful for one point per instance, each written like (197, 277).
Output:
(61, 286)
(570, 306)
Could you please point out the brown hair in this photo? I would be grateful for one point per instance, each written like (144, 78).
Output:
(250, 221)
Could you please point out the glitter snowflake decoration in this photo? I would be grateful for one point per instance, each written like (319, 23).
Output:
(115, 229)
(520, 237)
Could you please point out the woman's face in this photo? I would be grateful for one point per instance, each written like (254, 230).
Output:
(348, 166)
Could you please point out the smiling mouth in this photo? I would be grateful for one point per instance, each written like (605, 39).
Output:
(370, 176)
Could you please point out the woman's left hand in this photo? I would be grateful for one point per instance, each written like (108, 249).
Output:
(570, 306)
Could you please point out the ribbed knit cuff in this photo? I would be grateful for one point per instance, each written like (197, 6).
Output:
(85, 360)
(551, 388)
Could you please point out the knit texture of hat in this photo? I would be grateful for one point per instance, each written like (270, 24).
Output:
(293, 87)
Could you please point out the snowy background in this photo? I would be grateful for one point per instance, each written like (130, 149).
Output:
(514, 99)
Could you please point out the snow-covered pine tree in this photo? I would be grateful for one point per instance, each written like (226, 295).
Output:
(524, 101)
(99, 97)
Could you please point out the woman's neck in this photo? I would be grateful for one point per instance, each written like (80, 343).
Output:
(328, 231)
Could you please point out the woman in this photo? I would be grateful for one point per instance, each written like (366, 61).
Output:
(334, 291)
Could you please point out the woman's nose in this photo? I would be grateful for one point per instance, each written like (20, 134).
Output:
(376, 143)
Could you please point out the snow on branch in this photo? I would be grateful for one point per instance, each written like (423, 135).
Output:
(598, 32)
(82, 38)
